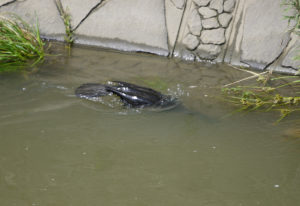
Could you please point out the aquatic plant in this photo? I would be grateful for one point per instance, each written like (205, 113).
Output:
(19, 41)
(66, 16)
(265, 98)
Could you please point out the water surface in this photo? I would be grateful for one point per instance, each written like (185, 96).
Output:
(57, 149)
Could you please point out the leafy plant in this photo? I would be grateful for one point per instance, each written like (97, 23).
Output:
(234, 89)
(19, 41)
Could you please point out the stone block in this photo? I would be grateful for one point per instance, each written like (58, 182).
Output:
(208, 51)
(207, 12)
(213, 36)
(194, 23)
(187, 55)
(211, 23)
(202, 2)
(191, 42)
(229, 5)
(217, 5)
(224, 19)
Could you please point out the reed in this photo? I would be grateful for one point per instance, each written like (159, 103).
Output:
(255, 97)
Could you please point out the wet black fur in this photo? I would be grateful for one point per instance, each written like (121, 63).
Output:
(132, 95)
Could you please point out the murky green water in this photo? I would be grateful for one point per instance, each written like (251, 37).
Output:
(59, 150)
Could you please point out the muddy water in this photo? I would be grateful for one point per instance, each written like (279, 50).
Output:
(56, 149)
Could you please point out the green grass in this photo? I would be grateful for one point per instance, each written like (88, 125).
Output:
(19, 41)
(67, 21)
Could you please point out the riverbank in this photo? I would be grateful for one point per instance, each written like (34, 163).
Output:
(242, 33)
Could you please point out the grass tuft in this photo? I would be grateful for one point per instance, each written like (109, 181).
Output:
(19, 41)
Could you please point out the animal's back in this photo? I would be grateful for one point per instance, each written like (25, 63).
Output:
(132, 95)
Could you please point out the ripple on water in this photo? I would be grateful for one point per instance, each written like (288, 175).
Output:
(91, 152)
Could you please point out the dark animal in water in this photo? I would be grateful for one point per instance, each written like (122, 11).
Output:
(132, 95)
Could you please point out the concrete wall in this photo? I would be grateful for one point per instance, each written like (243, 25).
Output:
(239, 32)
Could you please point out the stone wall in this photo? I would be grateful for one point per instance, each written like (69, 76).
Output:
(207, 23)
(248, 33)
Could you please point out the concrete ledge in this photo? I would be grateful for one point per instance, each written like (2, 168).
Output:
(119, 44)
(241, 32)
(79, 10)
(134, 21)
(263, 40)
